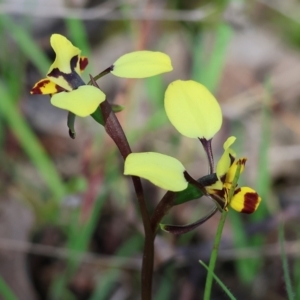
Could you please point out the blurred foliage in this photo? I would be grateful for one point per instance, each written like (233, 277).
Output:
(46, 191)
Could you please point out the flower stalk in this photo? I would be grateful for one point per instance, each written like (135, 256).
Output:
(215, 250)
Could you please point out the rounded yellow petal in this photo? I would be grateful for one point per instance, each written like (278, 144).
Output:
(245, 200)
(46, 86)
(192, 109)
(162, 170)
(229, 142)
(82, 102)
(141, 64)
(64, 51)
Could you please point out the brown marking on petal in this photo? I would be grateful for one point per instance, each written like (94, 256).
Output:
(83, 62)
(38, 88)
(236, 191)
(223, 178)
(56, 73)
(243, 161)
(59, 88)
(73, 62)
(219, 193)
(250, 203)
(73, 79)
(232, 159)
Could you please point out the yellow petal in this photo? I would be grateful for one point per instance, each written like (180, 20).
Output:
(162, 170)
(141, 64)
(82, 102)
(245, 200)
(64, 51)
(46, 86)
(229, 142)
(231, 172)
(226, 159)
(192, 109)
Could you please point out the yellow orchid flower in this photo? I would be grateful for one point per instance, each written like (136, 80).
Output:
(245, 199)
(64, 83)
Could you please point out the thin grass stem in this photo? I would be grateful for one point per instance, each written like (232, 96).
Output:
(218, 280)
(285, 265)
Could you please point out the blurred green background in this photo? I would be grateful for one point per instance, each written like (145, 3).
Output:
(69, 225)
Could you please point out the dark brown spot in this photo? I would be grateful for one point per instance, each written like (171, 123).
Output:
(250, 203)
(231, 159)
(38, 88)
(243, 161)
(237, 191)
(223, 178)
(83, 62)
(59, 88)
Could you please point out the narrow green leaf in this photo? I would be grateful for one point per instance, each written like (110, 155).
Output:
(30, 144)
(26, 43)
(97, 116)
(6, 291)
(285, 266)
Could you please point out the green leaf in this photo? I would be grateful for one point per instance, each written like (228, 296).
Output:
(192, 192)
(6, 291)
(98, 117)
(117, 108)
(30, 143)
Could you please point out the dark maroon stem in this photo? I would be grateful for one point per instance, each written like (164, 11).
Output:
(103, 73)
(115, 131)
(180, 229)
(167, 202)
(208, 150)
(164, 205)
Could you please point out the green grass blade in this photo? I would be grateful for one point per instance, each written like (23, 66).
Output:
(78, 240)
(78, 35)
(30, 144)
(263, 176)
(106, 283)
(218, 280)
(26, 43)
(6, 291)
(209, 73)
(286, 273)
(166, 288)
